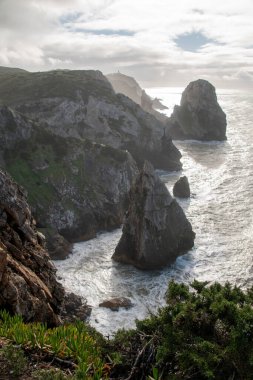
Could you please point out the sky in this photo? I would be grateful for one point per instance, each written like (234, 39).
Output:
(159, 42)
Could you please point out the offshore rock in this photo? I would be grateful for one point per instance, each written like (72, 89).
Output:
(199, 115)
(181, 188)
(83, 104)
(156, 229)
(115, 303)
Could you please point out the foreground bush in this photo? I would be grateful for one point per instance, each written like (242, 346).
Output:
(206, 333)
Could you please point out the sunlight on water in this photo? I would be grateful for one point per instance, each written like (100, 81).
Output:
(220, 210)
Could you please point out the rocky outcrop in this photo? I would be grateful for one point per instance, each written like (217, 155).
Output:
(83, 104)
(199, 115)
(28, 284)
(156, 229)
(58, 247)
(128, 86)
(75, 187)
(181, 188)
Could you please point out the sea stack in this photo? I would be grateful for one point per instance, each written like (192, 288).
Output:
(156, 230)
(199, 115)
(181, 188)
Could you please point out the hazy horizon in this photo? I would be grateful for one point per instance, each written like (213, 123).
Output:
(159, 44)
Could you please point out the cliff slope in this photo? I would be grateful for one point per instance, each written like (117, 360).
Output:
(83, 104)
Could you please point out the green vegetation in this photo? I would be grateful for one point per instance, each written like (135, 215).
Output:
(202, 334)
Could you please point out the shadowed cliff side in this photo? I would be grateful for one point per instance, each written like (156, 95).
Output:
(28, 284)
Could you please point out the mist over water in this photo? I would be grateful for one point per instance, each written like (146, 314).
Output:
(220, 210)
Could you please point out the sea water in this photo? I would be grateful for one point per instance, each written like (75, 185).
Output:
(220, 210)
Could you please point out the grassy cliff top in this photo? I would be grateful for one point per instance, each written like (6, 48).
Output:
(18, 86)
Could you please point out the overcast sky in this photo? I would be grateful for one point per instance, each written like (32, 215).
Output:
(159, 42)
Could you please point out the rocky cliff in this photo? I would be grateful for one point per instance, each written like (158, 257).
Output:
(28, 284)
(156, 229)
(128, 86)
(199, 115)
(74, 186)
(83, 104)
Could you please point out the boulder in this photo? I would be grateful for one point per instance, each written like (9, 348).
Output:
(115, 303)
(156, 230)
(199, 115)
(181, 188)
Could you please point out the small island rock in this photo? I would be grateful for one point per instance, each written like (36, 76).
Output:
(156, 229)
(181, 188)
(115, 303)
(199, 115)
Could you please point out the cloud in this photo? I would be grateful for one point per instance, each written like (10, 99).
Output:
(157, 41)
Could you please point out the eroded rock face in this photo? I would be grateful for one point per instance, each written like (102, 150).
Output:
(75, 187)
(181, 188)
(28, 284)
(83, 104)
(156, 229)
(199, 115)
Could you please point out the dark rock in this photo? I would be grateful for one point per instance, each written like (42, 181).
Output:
(156, 229)
(58, 247)
(199, 115)
(181, 188)
(74, 308)
(115, 303)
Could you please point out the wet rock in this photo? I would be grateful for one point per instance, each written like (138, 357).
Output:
(115, 303)
(181, 188)
(156, 229)
(199, 115)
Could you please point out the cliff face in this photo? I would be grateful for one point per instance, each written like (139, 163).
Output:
(128, 86)
(199, 115)
(74, 186)
(28, 283)
(156, 229)
(83, 104)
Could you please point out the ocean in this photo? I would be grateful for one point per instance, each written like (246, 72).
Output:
(220, 210)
